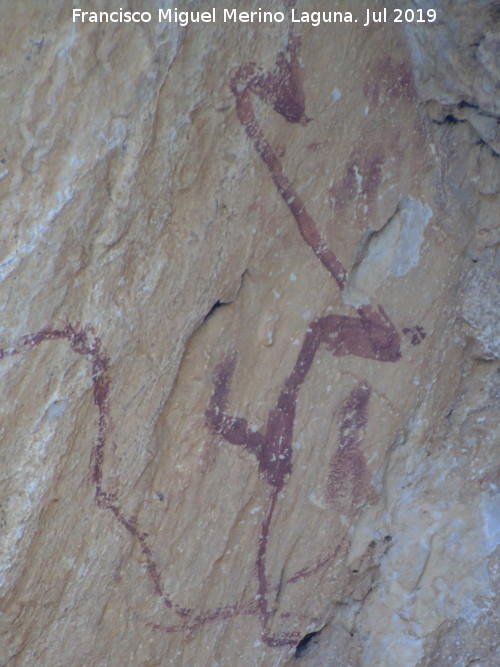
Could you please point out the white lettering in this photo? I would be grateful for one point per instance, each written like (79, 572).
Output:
(316, 18)
(118, 16)
(229, 15)
(185, 17)
(257, 16)
(164, 15)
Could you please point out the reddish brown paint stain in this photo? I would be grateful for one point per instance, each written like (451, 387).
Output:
(84, 342)
(363, 176)
(370, 335)
(282, 89)
(349, 475)
(388, 79)
(417, 334)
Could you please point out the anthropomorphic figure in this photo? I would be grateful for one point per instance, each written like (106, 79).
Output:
(370, 334)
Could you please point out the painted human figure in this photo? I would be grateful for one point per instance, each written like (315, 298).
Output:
(370, 334)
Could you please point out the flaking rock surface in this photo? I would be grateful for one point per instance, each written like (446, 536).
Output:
(249, 341)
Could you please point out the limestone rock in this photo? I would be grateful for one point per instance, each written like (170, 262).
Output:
(481, 304)
(249, 340)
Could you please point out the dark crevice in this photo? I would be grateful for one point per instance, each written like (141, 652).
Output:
(449, 119)
(463, 104)
(303, 646)
(212, 310)
(220, 302)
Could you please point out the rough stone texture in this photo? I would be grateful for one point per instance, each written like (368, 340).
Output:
(213, 443)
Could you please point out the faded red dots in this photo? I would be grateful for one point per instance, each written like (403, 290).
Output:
(387, 79)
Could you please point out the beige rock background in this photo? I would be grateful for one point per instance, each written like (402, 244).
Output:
(132, 202)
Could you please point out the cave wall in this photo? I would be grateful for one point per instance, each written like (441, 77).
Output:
(249, 340)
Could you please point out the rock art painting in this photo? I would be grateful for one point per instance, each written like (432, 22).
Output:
(369, 334)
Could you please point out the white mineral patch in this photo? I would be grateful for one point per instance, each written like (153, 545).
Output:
(481, 303)
(491, 522)
(389, 253)
(336, 94)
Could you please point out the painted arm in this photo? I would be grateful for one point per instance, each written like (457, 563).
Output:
(233, 429)
(283, 91)
(372, 335)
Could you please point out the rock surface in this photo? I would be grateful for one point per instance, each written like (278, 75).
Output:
(249, 341)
